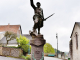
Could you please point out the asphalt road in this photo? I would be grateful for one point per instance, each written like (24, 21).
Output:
(51, 58)
(9, 58)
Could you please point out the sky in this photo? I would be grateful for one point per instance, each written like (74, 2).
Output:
(67, 12)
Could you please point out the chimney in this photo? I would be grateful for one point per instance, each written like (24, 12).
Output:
(8, 23)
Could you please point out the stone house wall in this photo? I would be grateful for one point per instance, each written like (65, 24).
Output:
(76, 52)
(13, 52)
(70, 50)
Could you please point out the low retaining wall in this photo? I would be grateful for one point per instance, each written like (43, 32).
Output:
(13, 52)
(0, 50)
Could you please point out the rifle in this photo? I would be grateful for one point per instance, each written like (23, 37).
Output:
(48, 17)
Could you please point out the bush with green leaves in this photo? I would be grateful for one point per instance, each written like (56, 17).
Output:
(23, 43)
(28, 57)
(30, 48)
(48, 48)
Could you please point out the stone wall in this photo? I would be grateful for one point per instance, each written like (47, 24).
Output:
(13, 52)
(0, 50)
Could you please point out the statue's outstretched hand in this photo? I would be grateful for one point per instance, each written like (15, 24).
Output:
(44, 19)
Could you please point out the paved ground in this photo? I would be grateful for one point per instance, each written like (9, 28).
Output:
(51, 58)
(9, 58)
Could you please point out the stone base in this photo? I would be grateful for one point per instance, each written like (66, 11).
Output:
(37, 44)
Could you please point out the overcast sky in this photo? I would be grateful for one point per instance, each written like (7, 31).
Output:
(67, 12)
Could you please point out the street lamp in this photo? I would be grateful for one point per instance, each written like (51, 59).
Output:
(57, 43)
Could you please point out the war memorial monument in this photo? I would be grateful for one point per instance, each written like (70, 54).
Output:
(37, 42)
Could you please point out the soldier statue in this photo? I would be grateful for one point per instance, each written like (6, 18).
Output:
(38, 16)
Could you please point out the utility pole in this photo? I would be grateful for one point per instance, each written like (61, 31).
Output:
(57, 43)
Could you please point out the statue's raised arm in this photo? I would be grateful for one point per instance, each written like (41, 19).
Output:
(32, 4)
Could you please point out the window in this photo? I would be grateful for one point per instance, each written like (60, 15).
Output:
(76, 41)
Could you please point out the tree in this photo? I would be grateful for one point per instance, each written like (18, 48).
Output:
(10, 36)
(56, 51)
(23, 43)
(48, 48)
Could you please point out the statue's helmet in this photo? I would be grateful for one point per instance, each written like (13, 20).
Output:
(38, 4)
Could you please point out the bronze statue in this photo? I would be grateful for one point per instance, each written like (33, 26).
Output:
(38, 17)
(37, 42)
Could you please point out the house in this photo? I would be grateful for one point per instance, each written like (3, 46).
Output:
(12, 28)
(74, 44)
(27, 36)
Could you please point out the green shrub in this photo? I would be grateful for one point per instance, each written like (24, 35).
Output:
(24, 57)
(23, 43)
(28, 57)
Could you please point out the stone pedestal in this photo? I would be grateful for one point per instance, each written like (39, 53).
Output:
(37, 44)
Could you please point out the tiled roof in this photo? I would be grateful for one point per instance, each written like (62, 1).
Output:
(3, 41)
(27, 36)
(12, 28)
(78, 23)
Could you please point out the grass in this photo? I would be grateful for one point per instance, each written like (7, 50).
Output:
(28, 57)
